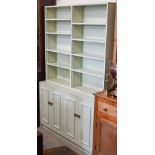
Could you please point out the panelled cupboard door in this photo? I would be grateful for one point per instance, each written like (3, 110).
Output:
(69, 122)
(85, 126)
(55, 110)
(44, 106)
(106, 138)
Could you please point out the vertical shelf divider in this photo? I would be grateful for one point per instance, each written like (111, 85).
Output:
(71, 49)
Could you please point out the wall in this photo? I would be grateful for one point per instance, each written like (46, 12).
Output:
(68, 2)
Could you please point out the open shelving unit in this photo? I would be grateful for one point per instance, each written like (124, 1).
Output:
(78, 45)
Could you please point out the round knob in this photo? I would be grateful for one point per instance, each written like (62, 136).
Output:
(105, 109)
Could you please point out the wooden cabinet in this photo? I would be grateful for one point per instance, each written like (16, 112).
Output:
(67, 114)
(105, 125)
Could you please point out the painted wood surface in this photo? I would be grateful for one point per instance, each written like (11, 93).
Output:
(68, 2)
(77, 52)
(68, 115)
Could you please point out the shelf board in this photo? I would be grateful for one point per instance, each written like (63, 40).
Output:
(90, 56)
(58, 6)
(55, 19)
(66, 52)
(96, 40)
(61, 81)
(89, 72)
(64, 66)
(59, 33)
(91, 24)
(89, 90)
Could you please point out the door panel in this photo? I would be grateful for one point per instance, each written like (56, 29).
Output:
(44, 106)
(85, 133)
(57, 111)
(106, 138)
(51, 109)
(70, 123)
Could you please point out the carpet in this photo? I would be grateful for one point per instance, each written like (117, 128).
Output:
(59, 151)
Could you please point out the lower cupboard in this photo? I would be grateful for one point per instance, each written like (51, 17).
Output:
(67, 113)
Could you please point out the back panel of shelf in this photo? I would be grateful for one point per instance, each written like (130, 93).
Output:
(50, 26)
(63, 13)
(64, 26)
(63, 42)
(50, 41)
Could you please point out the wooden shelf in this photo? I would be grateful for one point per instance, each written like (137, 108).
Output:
(93, 24)
(59, 33)
(61, 65)
(89, 55)
(88, 90)
(50, 19)
(97, 40)
(59, 51)
(61, 81)
(89, 72)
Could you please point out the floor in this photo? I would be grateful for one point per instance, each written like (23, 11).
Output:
(49, 139)
(63, 150)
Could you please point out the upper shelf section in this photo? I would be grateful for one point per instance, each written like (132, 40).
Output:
(78, 45)
(58, 13)
(90, 14)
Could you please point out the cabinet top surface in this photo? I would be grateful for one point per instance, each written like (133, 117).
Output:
(101, 94)
(59, 6)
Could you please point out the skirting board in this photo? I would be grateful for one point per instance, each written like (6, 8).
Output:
(69, 144)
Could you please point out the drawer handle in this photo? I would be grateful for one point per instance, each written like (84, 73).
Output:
(105, 109)
(76, 115)
(50, 103)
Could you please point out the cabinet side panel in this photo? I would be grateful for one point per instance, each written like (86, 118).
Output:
(110, 32)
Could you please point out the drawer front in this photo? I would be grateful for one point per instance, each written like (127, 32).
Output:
(107, 109)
